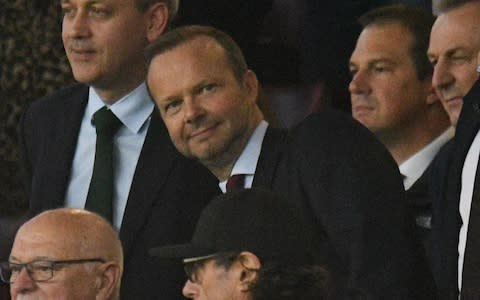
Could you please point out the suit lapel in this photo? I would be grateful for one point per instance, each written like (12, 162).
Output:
(154, 165)
(269, 157)
(61, 147)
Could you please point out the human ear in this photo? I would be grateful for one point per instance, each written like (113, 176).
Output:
(109, 275)
(250, 83)
(157, 18)
(249, 265)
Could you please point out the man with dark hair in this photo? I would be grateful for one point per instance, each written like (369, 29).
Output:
(392, 95)
(250, 244)
(101, 145)
(207, 98)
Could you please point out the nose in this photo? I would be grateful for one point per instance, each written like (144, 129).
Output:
(192, 110)
(23, 284)
(190, 289)
(359, 83)
(76, 25)
(442, 76)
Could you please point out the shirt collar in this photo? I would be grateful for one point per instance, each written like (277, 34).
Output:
(414, 166)
(133, 109)
(248, 159)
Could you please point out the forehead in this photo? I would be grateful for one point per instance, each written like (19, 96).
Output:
(389, 41)
(41, 240)
(460, 25)
(93, 2)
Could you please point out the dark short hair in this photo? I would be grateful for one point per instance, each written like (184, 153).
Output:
(279, 282)
(184, 34)
(172, 6)
(417, 21)
(447, 5)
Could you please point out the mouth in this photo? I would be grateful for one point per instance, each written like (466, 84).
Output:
(202, 133)
(81, 54)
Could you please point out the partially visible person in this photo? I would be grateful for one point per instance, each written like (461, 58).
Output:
(456, 212)
(207, 97)
(247, 245)
(454, 44)
(392, 95)
(65, 254)
(130, 173)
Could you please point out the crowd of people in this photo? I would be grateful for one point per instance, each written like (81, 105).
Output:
(160, 161)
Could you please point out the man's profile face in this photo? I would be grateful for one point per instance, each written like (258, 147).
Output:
(69, 282)
(207, 110)
(385, 90)
(212, 282)
(454, 44)
(104, 41)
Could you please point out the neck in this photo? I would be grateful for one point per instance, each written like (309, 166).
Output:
(222, 165)
(405, 144)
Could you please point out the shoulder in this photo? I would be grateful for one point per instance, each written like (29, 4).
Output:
(60, 98)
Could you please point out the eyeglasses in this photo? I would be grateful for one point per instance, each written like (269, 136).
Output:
(192, 266)
(38, 270)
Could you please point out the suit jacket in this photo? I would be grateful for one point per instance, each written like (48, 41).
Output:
(164, 202)
(419, 202)
(350, 186)
(446, 215)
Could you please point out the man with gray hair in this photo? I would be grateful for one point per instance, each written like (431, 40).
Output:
(65, 253)
(101, 145)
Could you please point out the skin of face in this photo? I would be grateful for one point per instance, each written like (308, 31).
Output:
(453, 48)
(104, 42)
(208, 112)
(386, 94)
(58, 238)
(70, 282)
(213, 283)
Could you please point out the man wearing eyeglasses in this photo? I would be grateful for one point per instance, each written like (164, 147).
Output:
(65, 254)
(251, 244)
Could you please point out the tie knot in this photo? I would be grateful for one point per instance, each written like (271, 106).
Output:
(106, 123)
(235, 182)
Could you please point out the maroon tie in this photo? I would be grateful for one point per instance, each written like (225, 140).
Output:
(236, 182)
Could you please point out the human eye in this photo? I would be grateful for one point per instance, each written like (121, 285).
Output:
(210, 87)
(14, 268)
(433, 60)
(67, 10)
(99, 11)
(40, 267)
(172, 106)
(353, 70)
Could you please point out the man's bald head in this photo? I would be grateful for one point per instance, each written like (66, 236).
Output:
(69, 234)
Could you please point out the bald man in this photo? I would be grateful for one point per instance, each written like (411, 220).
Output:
(65, 254)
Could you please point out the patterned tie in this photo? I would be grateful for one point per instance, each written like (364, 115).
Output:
(99, 198)
(471, 262)
(236, 182)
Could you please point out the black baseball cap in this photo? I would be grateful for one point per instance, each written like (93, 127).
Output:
(254, 220)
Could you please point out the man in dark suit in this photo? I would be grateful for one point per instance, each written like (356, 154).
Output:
(156, 193)
(331, 165)
(392, 95)
(454, 46)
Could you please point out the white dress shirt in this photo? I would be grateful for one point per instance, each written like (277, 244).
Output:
(248, 159)
(416, 164)
(134, 110)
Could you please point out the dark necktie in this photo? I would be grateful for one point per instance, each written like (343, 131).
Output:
(471, 261)
(99, 198)
(236, 182)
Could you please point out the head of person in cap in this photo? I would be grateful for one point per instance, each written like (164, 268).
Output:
(250, 244)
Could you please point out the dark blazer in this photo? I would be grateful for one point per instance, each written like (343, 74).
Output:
(350, 185)
(419, 202)
(165, 199)
(446, 216)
